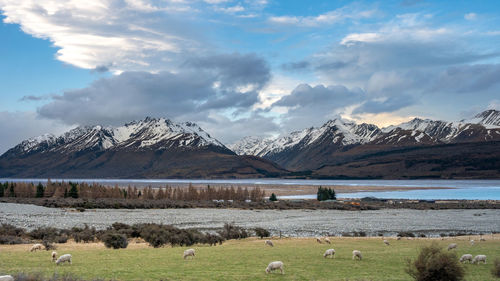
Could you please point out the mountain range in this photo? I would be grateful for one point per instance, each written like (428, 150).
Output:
(150, 148)
(419, 148)
(160, 148)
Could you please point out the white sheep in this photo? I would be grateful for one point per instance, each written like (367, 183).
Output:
(54, 256)
(274, 266)
(6, 278)
(36, 247)
(64, 258)
(386, 242)
(327, 240)
(318, 240)
(329, 252)
(479, 258)
(466, 257)
(270, 243)
(188, 253)
(471, 242)
(356, 254)
(452, 246)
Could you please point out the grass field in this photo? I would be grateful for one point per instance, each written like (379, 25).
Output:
(244, 260)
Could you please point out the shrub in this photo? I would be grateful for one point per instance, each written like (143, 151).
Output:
(434, 264)
(48, 245)
(11, 240)
(273, 197)
(86, 234)
(155, 235)
(261, 232)
(114, 240)
(44, 233)
(10, 230)
(406, 234)
(231, 231)
(496, 268)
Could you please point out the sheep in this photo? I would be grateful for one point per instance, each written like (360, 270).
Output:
(188, 253)
(327, 240)
(275, 265)
(482, 239)
(54, 256)
(6, 278)
(471, 242)
(329, 252)
(64, 258)
(386, 242)
(466, 257)
(318, 240)
(399, 238)
(270, 243)
(452, 246)
(36, 247)
(356, 254)
(479, 258)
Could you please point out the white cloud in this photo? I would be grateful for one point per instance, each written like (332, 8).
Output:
(124, 35)
(330, 17)
(360, 37)
(18, 126)
(470, 16)
(231, 10)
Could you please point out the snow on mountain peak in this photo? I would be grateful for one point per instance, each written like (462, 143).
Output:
(158, 132)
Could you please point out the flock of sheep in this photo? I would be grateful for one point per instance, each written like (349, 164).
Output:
(356, 254)
(61, 259)
(275, 265)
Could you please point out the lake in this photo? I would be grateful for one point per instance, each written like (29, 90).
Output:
(461, 189)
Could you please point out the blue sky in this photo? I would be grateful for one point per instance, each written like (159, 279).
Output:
(238, 68)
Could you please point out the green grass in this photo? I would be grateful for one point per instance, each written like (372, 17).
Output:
(243, 260)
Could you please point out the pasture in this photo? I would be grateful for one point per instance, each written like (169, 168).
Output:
(244, 260)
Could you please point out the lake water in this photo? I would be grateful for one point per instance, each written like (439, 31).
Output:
(462, 189)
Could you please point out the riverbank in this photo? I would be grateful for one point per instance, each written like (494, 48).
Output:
(292, 223)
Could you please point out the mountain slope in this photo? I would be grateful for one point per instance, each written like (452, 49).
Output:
(339, 141)
(153, 148)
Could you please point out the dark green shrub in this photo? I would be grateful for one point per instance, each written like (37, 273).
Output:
(434, 264)
(231, 231)
(48, 245)
(261, 232)
(86, 234)
(11, 240)
(496, 268)
(273, 197)
(114, 240)
(44, 233)
(10, 230)
(406, 234)
(155, 235)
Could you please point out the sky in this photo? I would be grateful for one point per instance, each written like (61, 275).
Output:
(243, 67)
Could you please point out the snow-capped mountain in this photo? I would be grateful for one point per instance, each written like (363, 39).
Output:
(150, 133)
(338, 131)
(298, 149)
(153, 148)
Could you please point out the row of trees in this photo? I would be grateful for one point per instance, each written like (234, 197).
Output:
(94, 191)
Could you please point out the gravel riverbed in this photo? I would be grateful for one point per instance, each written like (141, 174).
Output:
(301, 223)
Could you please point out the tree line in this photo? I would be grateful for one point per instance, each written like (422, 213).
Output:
(96, 191)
